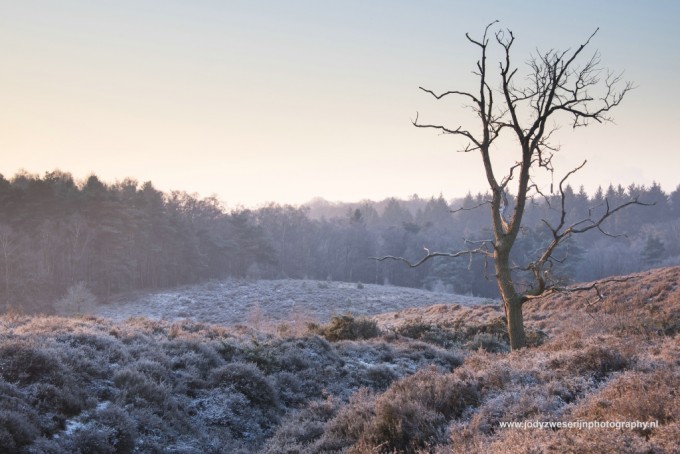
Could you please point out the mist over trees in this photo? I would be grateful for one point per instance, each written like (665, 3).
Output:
(57, 234)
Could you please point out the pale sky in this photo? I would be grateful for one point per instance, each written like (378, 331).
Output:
(263, 100)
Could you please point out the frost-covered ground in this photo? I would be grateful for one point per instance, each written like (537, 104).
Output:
(270, 301)
(436, 379)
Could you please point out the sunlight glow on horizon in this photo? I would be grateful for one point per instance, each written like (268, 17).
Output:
(261, 102)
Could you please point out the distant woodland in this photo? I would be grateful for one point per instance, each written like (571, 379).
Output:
(56, 233)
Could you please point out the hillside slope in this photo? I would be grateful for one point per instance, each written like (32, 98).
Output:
(438, 379)
(646, 302)
(233, 302)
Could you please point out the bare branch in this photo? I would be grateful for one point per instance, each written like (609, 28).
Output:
(458, 131)
(540, 268)
(596, 286)
(483, 249)
(559, 82)
(452, 92)
(608, 213)
(484, 40)
(486, 202)
(509, 176)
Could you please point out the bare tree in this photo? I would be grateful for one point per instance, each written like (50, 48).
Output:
(558, 83)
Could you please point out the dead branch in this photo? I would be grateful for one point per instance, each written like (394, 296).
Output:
(451, 92)
(483, 249)
(596, 286)
(562, 232)
(486, 202)
(457, 131)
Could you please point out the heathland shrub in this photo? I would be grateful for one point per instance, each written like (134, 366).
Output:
(122, 429)
(135, 385)
(299, 432)
(92, 354)
(95, 440)
(636, 396)
(490, 336)
(107, 430)
(513, 404)
(403, 426)
(293, 391)
(64, 400)
(379, 377)
(598, 360)
(249, 381)
(24, 363)
(16, 431)
(350, 422)
(426, 332)
(347, 327)
(192, 355)
(488, 342)
(200, 388)
(413, 412)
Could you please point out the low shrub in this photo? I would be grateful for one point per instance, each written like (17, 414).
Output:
(64, 400)
(16, 431)
(403, 426)
(24, 363)
(379, 377)
(488, 342)
(346, 327)
(300, 431)
(433, 334)
(513, 404)
(121, 429)
(293, 391)
(249, 381)
(107, 430)
(491, 336)
(412, 414)
(636, 396)
(535, 337)
(496, 327)
(135, 385)
(350, 422)
(598, 360)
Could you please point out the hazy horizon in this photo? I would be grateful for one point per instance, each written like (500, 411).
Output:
(234, 204)
(263, 101)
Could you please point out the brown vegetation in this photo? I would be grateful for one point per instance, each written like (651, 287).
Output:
(92, 385)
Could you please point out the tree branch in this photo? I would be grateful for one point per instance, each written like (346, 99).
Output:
(581, 288)
(541, 267)
(479, 205)
(452, 92)
(457, 131)
(483, 249)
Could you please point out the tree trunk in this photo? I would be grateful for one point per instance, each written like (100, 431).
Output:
(515, 321)
(511, 299)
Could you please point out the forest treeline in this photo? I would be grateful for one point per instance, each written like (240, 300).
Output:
(56, 232)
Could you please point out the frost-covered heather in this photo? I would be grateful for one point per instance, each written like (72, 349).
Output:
(265, 301)
(94, 385)
(435, 380)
